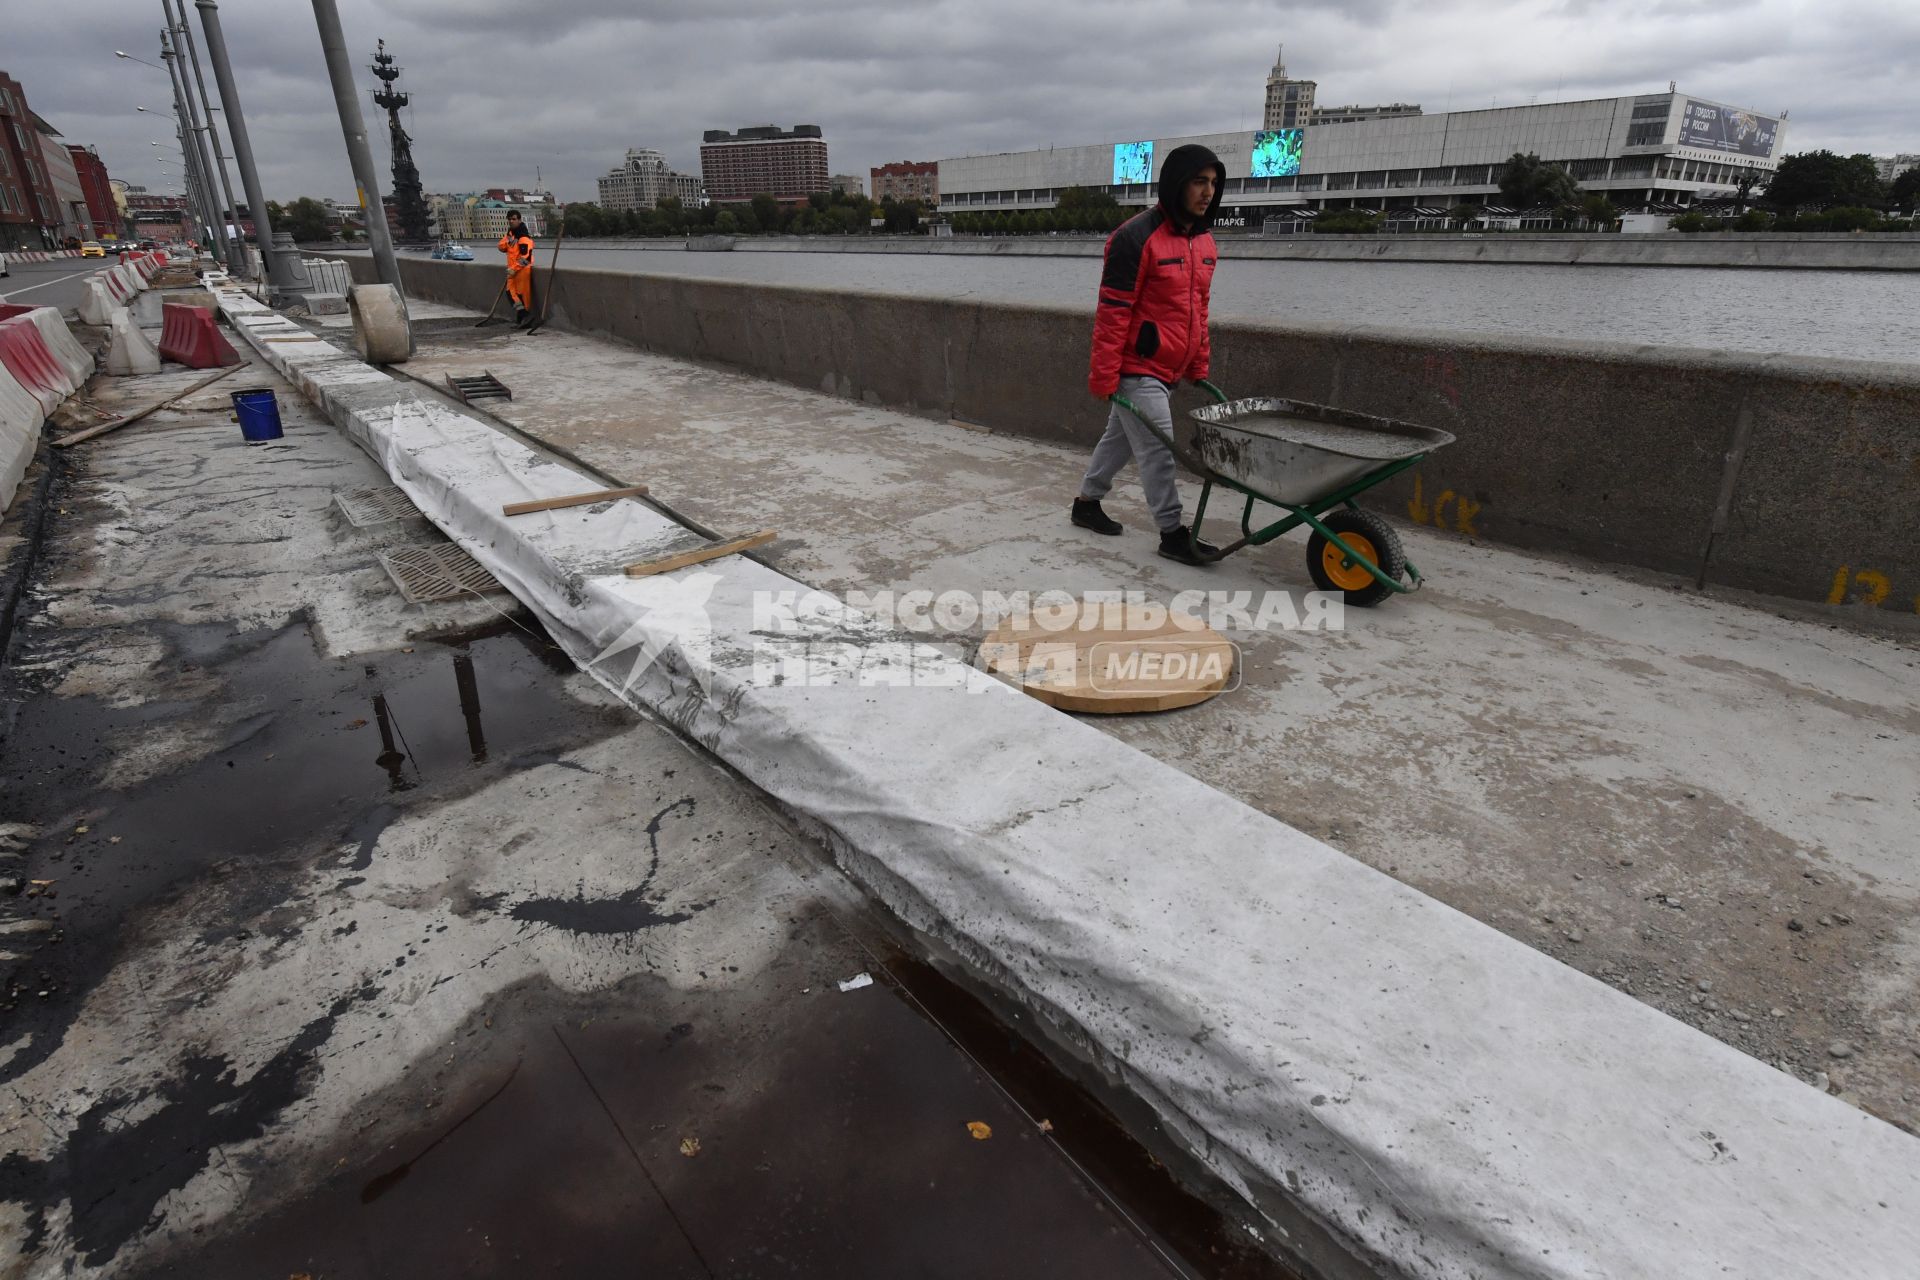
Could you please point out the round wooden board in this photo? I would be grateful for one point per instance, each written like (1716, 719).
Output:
(1126, 658)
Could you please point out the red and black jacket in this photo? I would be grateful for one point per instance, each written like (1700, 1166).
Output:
(1152, 317)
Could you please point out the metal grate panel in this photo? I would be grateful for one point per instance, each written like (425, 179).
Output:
(365, 508)
(437, 571)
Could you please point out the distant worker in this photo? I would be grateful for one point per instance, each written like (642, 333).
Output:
(1149, 332)
(517, 244)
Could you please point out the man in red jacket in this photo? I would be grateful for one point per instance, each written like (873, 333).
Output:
(1149, 332)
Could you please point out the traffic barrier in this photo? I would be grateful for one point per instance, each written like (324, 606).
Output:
(20, 419)
(97, 303)
(188, 336)
(118, 289)
(60, 340)
(26, 356)
(129, 349)
(135, 281)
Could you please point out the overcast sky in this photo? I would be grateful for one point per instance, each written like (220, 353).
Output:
(510, 88)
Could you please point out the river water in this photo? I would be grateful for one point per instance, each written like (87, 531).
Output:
(1863, 315)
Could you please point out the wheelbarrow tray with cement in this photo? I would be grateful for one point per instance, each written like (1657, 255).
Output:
(1309, 460)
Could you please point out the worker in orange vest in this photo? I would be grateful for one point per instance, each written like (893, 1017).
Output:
(517, 244)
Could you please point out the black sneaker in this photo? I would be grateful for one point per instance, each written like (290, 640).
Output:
(1088, 515)
(1181, 544)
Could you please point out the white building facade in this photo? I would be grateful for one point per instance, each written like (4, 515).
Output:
(1653, 150)
(643, 180)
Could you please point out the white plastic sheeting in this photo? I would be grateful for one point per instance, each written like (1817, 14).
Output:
(1445, 1100)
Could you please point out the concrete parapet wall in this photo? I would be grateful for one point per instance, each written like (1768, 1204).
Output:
(1791, 250)
(1607, 450)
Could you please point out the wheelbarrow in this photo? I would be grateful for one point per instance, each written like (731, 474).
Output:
(1309, 460)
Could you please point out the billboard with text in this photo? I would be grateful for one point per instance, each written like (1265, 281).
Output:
(1708, 126)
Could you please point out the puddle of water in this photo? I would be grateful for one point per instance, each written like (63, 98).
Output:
(315, 754)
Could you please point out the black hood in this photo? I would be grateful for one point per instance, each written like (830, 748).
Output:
(1183, 163)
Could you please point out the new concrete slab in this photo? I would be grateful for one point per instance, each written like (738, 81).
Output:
(1446, 1100)
(1559, 751)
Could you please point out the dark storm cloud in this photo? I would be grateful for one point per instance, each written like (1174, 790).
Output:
(506, 89)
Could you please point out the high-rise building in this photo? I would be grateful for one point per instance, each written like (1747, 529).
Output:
(1353, 115)
(70, 199)
(788, 164)
(29, 209)
(1289, 102)
(908, 180)
(98, 188)
(643, 180)
(847, 184)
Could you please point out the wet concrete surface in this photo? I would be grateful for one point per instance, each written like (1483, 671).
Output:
(339, 957)
(788, 1130)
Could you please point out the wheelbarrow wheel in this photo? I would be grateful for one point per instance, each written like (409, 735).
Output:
(1370, 536)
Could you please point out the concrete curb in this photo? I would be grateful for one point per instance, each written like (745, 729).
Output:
(1442, 1100)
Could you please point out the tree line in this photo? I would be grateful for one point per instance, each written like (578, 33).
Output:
(822, 213)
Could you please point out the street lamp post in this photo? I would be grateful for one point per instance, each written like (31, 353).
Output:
(334, 43)
(180, 145)
(190, 181)
(238, 241)
(190, 123)
(199, 192)
(280, 272)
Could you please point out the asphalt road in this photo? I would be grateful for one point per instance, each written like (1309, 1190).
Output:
(55, 283)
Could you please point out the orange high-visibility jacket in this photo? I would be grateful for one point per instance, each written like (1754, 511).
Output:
(519, 250)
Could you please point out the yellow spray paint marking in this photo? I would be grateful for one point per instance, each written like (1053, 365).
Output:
(1839, 593)
(1463, 514)
(1877, 585)
(1464, 510)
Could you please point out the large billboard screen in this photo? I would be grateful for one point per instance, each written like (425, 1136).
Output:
(1276, 152)
(1132, 162)
(1708, 126)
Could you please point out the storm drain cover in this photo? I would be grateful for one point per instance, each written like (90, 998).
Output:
(437, 571)
(367, 507)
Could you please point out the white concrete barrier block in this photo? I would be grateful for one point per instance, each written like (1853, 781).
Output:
(65, 347)
(130, 350)
(97, 303)
(20, 420)
(326, 304)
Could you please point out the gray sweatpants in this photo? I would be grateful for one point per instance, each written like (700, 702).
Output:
(1125, 438)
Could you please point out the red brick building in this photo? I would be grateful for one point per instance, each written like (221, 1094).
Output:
(788, 165)
(99, 191)
(908, 180)
(29, 210)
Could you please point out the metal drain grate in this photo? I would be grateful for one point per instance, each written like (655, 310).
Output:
(483, 387)
(437, 571)
(365, 508)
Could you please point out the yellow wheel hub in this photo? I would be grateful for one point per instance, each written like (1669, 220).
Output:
(1344, 573)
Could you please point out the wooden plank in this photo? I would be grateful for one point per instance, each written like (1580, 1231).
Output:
(667, 564)
(572, 500)
(65, 442)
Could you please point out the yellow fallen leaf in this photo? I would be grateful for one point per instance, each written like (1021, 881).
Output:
(980, 1130)
(1046, 1126)
(80, 830)
(113, 839)
(689, 1146)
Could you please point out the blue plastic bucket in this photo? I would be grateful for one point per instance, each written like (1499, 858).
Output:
(259, 412)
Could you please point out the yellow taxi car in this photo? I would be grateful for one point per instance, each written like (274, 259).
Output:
(92, 249)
